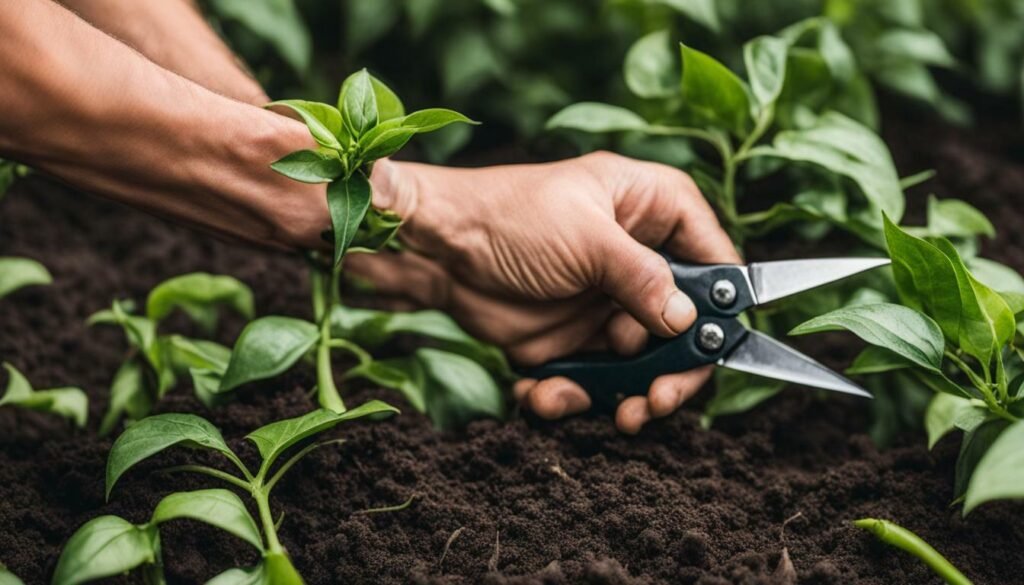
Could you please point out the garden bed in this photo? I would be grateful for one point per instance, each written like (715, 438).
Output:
(519, 502)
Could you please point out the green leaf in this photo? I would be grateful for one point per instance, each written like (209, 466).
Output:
(999, 474)
(199, 294)
(403, 374)
(712, 94)
(16, 273)
(105, 547)
(310, 166)
(596, 118)
(384, 139)
(651, 68)
(940, 418)
(347, 201)
(737, 392)
(252, 576)
(850, 149)
(765, 59)
(276, 21)
(378, 229)
(389, 106)
(433, 119)
(156, 433)
(267, 347)
(875, 360)
(324, 121)
(458, 389)
(986, 322)
(836, 52)
(358, 103)
(925, 279)
(7, 577)
(128, 394)
(186, 354)
(216, 507)
(975, 444)
(70, 403)
(996, 276)
(274, 439)
(903, 331)
(954, 218)
(700, 11)
(918, 46)
(370, 328)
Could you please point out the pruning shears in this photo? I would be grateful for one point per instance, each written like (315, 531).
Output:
(720, 293)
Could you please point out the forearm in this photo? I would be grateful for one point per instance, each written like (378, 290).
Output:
(87, 109)
(174, 35)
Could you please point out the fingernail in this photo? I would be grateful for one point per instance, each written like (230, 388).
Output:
(679, 312)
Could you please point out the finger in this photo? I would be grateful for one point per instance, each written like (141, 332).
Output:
(633, 413)
(522, 388)
(563, 339)
(557, 397)
(625, 334)
(640, 280)
(697, 235)
(669, 392)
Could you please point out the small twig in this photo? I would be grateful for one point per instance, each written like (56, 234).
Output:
(782, 529)
(492, 565)
(280, 519)
(447, 545)
(395, 508)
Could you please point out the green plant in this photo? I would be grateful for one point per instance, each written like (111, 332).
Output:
(960, 337)
(109, 545)
(369, 123)
(10, 171)
(250, 25)
(8, 578)
(903, 539)
(156, 360)
(70, 403)
(16, 273)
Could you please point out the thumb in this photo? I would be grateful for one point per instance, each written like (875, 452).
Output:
(639, 279)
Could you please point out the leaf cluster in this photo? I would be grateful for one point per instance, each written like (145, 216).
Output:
(156, 361)
(109, 545)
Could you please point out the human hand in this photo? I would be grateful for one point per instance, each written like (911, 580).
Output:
(549, 259)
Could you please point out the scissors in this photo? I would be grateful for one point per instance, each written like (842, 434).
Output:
(720, 293)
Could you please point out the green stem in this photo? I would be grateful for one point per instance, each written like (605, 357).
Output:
(906, 540)
(324, 301)
(984, 387)
(361, 354)
(295, 459)
(316, 285)
(227, 477)
(262, 497)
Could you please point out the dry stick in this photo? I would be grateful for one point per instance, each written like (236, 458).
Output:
(492, 565)
(782, 529)
(447, 545)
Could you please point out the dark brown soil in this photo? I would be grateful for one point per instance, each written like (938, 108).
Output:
(519, 502)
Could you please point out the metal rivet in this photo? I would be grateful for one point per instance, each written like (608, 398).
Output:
(711, 337)
(723, 293)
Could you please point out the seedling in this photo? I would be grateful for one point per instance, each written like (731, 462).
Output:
(903, 539)
(959, 337)
(109, 545)
(157, 361)
(369, 123)
(16, 273)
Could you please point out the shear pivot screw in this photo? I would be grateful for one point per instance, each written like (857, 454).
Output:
(710, 337)
(723, 293)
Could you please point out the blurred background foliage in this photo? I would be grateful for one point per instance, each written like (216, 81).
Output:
(513, 63)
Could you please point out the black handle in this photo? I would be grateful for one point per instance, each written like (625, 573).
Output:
(608, 378)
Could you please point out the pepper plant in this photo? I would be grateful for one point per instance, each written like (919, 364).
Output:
(109, 545)
(368, 123)
(960, 337)
(156, 361)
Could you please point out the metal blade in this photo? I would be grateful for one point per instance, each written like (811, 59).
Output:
(775, 280)
(762, 355)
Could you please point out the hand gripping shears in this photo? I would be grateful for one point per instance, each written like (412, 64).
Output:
(720, 293)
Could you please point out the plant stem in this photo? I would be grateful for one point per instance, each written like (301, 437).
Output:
(325, 298)
(906, 540)
(226, 477)
(361, 354)
(262, 497)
